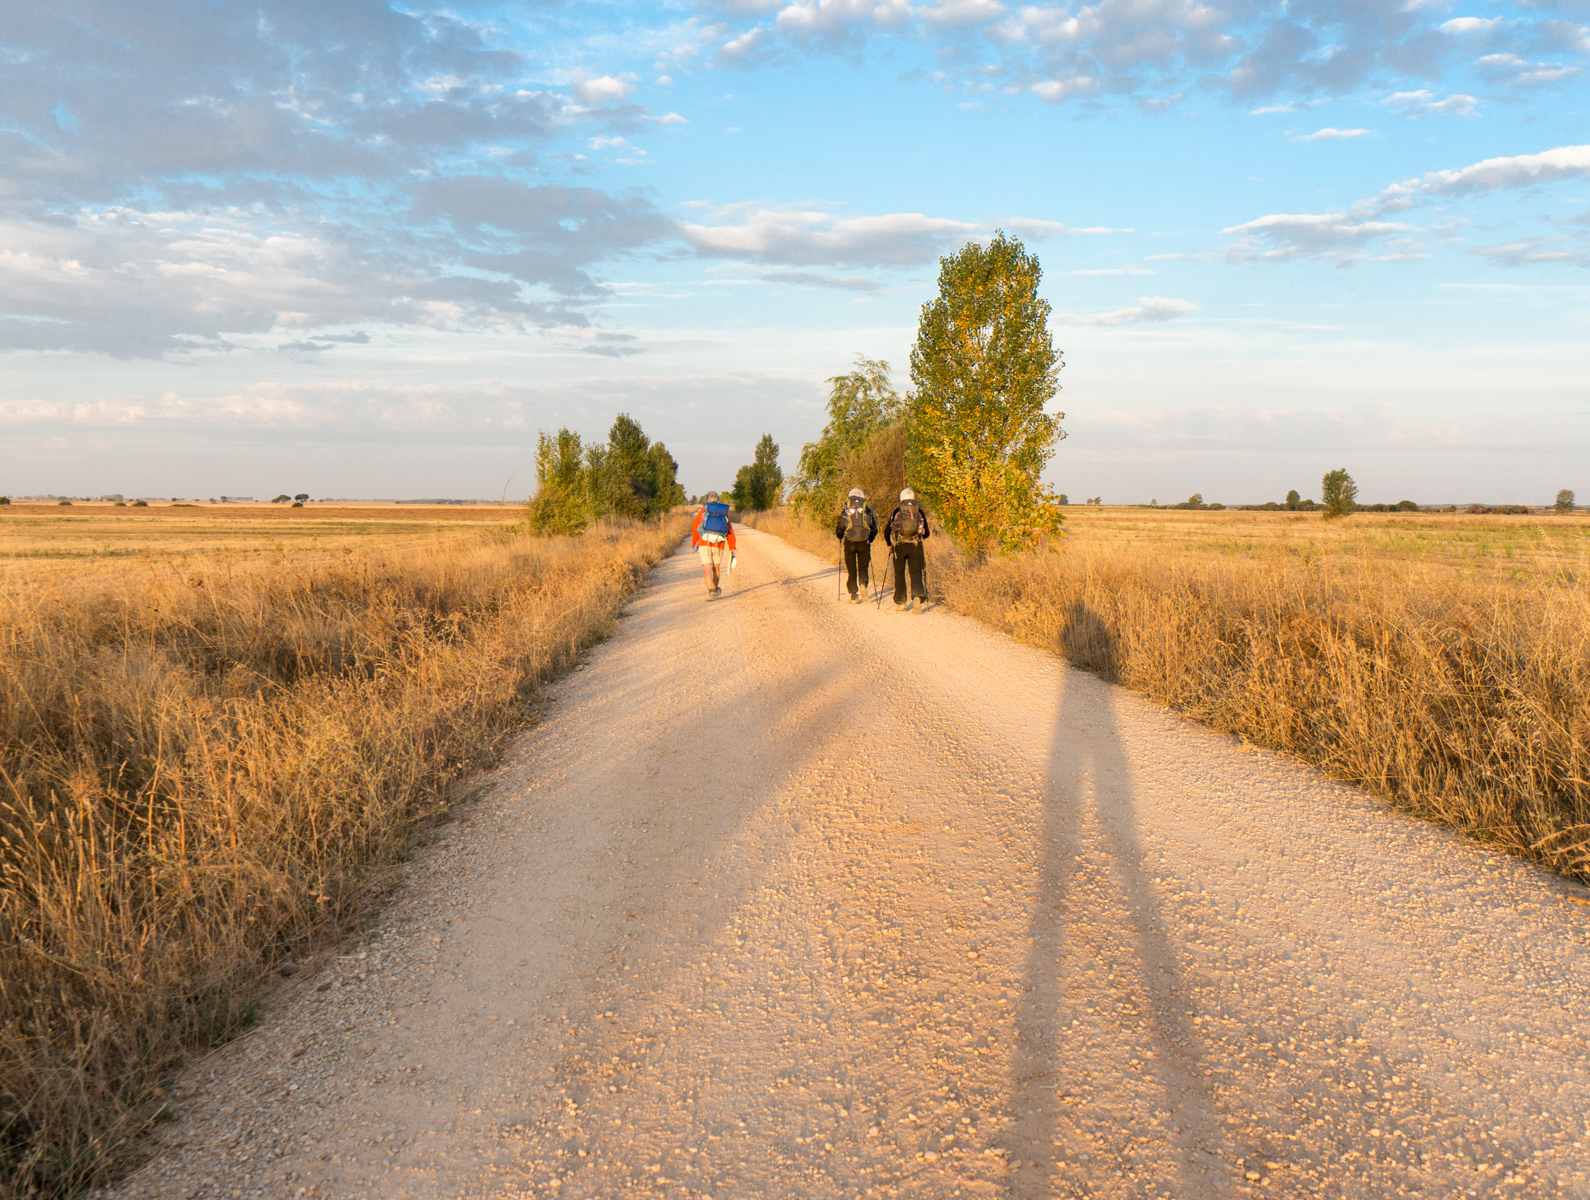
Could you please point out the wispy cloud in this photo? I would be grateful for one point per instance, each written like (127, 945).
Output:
(1424, 103)
(1148, 310)
(1283, 236)
(1331, 134)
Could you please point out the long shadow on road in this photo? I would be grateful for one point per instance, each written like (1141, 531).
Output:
(1112, 1052)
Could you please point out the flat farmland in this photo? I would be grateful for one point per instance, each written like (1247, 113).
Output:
(39, 540)
(1449, 546)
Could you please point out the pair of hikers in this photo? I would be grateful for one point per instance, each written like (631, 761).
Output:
(713, 537)
(904, 533)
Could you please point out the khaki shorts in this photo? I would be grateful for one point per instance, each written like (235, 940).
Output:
(712, 553)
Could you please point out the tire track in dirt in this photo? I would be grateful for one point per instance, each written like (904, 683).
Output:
(788, 898)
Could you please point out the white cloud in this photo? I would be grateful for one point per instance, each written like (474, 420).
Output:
(1529, 251)
(815, 237)
(1331, 134)
(1053, 91)
(1148, 310)
(1035, 229)
(1493, 174)
(839, 20)
(1423, 103)
(748, 42)
(672, 118)
(1308, 235)
(604, 89)
(849, 283)
(1461, 25)
(961, 12)
(1513, 71)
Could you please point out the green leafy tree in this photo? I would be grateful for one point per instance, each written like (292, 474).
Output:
(983, 369)
(1293, 500)
(759, 485)
(860, 405)
(630, 476)
(1338, 493)
(562, 503)
(1564, 500)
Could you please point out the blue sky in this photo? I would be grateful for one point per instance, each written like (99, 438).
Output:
(368, 250)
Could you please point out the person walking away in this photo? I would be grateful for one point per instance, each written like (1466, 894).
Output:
(904, 534)
(857, 528)
(713, 537)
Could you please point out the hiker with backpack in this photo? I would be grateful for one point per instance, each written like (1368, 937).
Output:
(713, 536)
(857, 527)
(904, 534)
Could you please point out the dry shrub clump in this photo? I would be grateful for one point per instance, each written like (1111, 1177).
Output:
(204, 771)
(1461, 698)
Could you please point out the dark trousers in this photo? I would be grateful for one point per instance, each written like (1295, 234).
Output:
(858, 561)
(908, 553)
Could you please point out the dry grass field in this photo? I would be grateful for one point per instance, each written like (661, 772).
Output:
(37, 538)
(1441, 660)
(221, 726)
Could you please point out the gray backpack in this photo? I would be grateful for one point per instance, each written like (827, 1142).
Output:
(857, 528)
(908, 522)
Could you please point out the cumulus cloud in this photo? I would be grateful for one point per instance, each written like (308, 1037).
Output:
(1148, 310)
(277, 167)
(604, 89)
(1331, 134)
(1463, 25)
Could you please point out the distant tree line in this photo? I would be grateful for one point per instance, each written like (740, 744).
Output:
(578, 483)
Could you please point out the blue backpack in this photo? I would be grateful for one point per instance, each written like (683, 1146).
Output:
(717, 519)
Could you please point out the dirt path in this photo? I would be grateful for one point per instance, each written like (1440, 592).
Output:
(793, 899)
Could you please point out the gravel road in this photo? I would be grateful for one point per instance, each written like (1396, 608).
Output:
(788, 898)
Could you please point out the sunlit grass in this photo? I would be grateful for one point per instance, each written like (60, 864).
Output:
(211, 759)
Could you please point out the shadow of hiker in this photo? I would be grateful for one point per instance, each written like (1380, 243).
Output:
(1112, 1050)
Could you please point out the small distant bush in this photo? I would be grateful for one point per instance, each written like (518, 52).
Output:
(298, 503)
(1407, 506)
(5, 499)
(67, 503)
(1062, 498)
(140, 504)
(1564, 500)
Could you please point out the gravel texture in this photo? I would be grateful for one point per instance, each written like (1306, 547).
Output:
(792, 898)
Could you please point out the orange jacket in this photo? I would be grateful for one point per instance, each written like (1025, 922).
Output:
(695, 531)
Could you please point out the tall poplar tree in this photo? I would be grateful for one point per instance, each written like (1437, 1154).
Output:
(984, 369)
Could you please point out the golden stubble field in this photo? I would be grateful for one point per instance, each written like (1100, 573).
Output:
(219, 727)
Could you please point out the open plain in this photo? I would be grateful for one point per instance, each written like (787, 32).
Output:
(787, 898)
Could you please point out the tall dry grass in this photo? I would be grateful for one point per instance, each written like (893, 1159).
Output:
(1460, 694)
(201, 772)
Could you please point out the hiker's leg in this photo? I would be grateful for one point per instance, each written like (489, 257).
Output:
(918, 558)
(864, 561)
(899, 574)
(851, 563)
